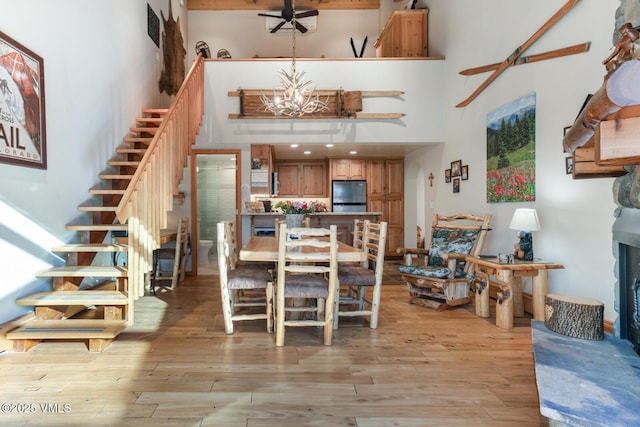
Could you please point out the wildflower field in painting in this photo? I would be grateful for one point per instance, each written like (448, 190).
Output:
(511, 154)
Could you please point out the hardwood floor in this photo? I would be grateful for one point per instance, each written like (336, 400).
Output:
(176, 367)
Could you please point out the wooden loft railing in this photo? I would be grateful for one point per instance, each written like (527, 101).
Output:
(149, 196)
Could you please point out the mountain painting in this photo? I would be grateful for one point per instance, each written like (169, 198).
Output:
(511, 152)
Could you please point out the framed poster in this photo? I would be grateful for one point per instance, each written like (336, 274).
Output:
(511, 152)
(22, 108)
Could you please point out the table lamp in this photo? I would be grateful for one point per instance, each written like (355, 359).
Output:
(525, 221)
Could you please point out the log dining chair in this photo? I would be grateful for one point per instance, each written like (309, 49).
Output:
(306, 223)
(234, 257)
(444, 279)
(358, 232)
(354, 280)
(307, 270)
(169, 263)
(243, 287)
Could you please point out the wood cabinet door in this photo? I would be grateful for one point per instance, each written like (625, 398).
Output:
(376, 178)
(289, 178)
(357, 169)
(394, 171)
(395, 225)
(413, 35)
(347, 169)
(313, 180)
(340, 169)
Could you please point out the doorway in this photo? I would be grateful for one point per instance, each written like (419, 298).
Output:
(215, 180)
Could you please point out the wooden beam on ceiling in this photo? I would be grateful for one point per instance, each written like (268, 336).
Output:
(279, 4)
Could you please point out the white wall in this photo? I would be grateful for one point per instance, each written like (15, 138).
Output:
(576, 215)
(100, 70)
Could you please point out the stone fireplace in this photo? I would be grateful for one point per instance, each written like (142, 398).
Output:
(626, 250)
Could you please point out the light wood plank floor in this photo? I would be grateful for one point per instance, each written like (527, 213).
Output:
(176, 367)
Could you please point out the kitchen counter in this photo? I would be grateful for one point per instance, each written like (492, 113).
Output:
(263, 222)
(351, 214)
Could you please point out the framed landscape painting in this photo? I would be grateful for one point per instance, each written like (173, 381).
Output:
(22, 107)
(511, 152)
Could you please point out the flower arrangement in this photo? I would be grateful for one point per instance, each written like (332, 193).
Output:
(290, 207)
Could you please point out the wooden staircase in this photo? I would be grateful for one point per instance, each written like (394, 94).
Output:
(92, 298)
(73, 310)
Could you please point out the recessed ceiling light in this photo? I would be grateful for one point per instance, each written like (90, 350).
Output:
(294, 145)
(307, 152)
(329, 145)
(353, 152)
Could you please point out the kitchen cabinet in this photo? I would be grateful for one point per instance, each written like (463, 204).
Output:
(348, 169)
(261, 169)
(385, 193)
(404, 34)
(302, 179)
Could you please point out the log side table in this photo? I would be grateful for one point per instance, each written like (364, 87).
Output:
(508, 275)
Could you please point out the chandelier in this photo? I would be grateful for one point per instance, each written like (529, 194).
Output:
(295, 97)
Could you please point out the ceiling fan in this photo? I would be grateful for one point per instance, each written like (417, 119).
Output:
(287, 14)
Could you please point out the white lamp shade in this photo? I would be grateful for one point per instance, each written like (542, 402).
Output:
(525, 219)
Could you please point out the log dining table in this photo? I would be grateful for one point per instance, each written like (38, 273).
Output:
(265, 248)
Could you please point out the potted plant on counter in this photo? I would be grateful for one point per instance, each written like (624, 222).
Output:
(295, 211)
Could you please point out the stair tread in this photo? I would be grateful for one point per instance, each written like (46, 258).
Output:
(97, 227)
(88, 297)
(130, 150)
(91, 247)
(132, 138)
(69, 328)
(124, 162)
(84, 271)
(156, 120)
(97, 208)
(114, 176)
(139, 129)
(155, 110)
(100, 191)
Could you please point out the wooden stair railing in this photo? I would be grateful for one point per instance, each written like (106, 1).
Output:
(149, 195)
(134, 196)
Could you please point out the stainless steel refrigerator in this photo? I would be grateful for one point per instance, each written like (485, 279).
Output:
(349, 196)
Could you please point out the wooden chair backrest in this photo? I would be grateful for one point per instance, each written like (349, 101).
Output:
(306, 223)
(182, 246)
(224, 250)
(374, 244)
(232, 239)
(359, 226)
(307, 248)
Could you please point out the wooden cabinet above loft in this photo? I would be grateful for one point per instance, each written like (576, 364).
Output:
(404, 35)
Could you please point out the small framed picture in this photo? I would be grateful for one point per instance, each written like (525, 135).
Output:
(447, 175)
(456, 168)
(456, 185)
(568, 165)
(465, 172)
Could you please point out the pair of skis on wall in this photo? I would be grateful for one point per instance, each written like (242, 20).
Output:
(516, 57)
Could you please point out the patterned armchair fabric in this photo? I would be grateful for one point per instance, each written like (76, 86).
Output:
(444, 241)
